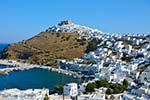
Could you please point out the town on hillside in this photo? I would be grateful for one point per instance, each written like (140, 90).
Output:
(114, 67)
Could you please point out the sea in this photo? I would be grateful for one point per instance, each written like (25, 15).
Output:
(35, 78)
(3, 45)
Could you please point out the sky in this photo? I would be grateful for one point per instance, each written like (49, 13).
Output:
(22, 19)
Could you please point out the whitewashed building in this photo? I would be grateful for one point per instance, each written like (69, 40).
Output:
(93, 96)
(71, 89)
(145, 76)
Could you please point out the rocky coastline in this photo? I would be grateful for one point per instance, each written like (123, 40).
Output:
(26, 66)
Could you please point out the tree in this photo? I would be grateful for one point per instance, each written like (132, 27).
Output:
(90, 87)
(116, 91)
(81, 41)
(108, 91)
(88, 61)
(114, 88)
(46, 97)
(102, 83)
(59, 88)
(92, 45)
(125, 83)
(117, 88)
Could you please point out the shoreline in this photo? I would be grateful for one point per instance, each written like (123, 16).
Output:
(26, 66)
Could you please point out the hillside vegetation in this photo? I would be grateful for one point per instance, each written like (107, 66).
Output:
(46, 47)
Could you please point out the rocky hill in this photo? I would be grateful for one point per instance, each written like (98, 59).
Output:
(48, 46)
(67, 40)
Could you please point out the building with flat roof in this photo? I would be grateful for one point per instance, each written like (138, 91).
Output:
(71, 89)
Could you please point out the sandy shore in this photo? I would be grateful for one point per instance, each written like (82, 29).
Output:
(24, 66)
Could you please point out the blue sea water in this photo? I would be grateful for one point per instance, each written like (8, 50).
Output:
(33, 78)
(3, 66)
(2, 46)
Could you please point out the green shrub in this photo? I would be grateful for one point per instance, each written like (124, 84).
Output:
(90, 61)
(114, 88)
(108, 91)
(46, 97)
(59, 88)
(102, 83)
(90, 87)
(125, 83)
(81, 41)
(92, 45)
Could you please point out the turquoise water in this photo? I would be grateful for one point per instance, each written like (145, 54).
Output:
(34, 78)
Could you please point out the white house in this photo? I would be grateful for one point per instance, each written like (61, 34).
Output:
(118, 45)
(71, 89)
(128, 97)
(145, 76)
(134, 74)
(131, 83)
(99, 76)
(128, 49)
(96, 67)
(93, 96)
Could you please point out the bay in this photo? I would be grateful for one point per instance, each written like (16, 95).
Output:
(35, 78)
